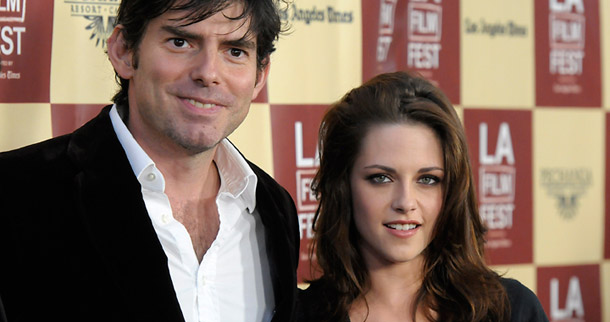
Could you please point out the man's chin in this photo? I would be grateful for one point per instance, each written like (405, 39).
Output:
(195, 147)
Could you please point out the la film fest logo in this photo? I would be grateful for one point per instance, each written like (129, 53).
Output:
(574, 305)
(306, 170)
(497, 178)
(13, 12)
(571, 293)
(425, 32)
(567, 42)
(101, 15)
(387, 12)
(566, 185)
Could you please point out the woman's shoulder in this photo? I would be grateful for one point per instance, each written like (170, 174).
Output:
(309, 303)
(313, 294)
(524, 304)
(313, 302)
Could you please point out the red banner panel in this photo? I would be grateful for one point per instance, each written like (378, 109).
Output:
(570, 293)
(25, 51)
(607, 233)
(66, 118)
(568, 59)
(422, 36)
(500, 143)
(294, 130)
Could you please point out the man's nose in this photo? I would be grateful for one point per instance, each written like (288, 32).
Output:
(206, 67)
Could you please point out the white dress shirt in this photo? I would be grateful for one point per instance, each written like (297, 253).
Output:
(233, 281)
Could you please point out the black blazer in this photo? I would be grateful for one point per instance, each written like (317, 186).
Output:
(77, 244)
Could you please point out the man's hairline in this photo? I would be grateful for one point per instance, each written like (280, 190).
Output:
(259, 69)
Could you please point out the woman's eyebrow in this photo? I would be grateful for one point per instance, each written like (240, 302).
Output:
(429, 169)
(381, 167)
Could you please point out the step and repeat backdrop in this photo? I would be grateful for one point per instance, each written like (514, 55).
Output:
(530, 79)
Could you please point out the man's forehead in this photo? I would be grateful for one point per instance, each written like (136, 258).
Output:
(184, 14)
(230, 17)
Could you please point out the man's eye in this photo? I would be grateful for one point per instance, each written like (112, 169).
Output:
(178, 42)
(236, 52)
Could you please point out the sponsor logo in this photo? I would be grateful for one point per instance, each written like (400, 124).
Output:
(330, 14)
(493, 29)
(100, 14)
(566, 185)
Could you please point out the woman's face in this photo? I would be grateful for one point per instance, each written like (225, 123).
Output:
(397, 192)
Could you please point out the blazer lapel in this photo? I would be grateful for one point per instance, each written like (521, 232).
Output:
(109, 199)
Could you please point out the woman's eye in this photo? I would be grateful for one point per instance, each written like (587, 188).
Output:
(379, 178)
(429, 180)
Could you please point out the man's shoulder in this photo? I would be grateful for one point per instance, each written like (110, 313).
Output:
(55, 155)
(51, 149)
(39, 153)
(262, 174)
(267, 184)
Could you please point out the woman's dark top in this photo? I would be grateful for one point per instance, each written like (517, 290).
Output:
(525, 306)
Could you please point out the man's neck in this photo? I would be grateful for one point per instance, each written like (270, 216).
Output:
(189, 175)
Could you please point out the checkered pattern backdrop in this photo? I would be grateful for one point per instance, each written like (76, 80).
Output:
(530, 78)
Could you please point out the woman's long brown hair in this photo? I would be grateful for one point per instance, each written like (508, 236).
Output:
(457, 285)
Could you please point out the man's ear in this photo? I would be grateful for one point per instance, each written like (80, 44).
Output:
(261, 78)
(120, 56)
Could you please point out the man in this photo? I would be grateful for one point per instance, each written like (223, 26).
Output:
(148, 213)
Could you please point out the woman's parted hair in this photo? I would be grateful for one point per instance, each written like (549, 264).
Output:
(457, 284)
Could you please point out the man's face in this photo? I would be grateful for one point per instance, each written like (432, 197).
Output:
(193, 84)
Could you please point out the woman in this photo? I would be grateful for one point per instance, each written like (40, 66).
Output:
(397, 232)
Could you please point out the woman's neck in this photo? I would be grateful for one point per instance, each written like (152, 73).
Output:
(391, 293)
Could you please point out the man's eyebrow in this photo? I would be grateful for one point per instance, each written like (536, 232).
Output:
(242, 42)
(180, 32)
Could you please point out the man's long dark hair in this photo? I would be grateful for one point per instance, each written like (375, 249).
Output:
(457, 285)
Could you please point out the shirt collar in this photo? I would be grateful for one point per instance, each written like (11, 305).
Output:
(138, 159)
(237, 178)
